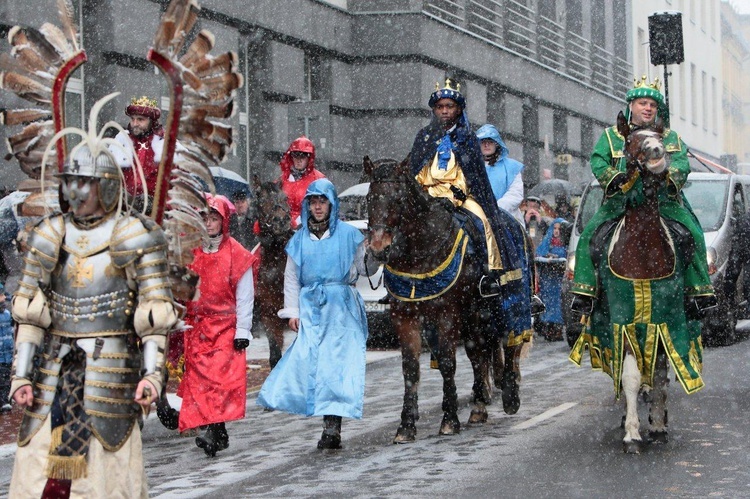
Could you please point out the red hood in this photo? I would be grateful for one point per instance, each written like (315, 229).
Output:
(225, 209)
(302, 144)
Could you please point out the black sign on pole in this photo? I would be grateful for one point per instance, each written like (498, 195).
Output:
(665, 38)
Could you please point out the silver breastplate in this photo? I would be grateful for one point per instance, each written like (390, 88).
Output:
(89, 296)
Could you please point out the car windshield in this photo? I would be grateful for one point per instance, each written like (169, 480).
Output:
(353, 208)
(708, 199)
(591, 201)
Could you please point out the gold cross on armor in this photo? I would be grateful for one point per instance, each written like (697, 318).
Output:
(80, 271)
(83, 242)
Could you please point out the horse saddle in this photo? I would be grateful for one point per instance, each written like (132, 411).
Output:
(682, 238)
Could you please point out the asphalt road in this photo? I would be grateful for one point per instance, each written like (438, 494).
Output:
(564, 442)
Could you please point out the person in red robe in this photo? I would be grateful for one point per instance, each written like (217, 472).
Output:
(214, 386)
(297, 173)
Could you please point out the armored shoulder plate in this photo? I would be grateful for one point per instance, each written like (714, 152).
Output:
(45, 240)
(134, 236)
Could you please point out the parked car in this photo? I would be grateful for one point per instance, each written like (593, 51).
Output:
(717, 200)
(353, 210)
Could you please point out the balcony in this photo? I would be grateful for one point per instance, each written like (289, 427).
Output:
(513, 25)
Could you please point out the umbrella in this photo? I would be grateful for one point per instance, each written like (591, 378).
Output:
(551, 190)
(228, 182)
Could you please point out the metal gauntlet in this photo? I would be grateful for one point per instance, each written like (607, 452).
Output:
(25, 360)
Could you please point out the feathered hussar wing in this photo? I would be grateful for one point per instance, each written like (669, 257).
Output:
(26, 87)
(57, 39)
(10, 117)
(37, 69)
(19, 37)
(209, 66)
(67, 19)
(202, 94)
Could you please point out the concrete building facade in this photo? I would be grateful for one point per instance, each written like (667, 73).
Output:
(355, 75)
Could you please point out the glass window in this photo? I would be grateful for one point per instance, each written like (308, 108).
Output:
(708, 199)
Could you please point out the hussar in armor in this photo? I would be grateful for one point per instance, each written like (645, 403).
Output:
(94, 305)
(95, 301)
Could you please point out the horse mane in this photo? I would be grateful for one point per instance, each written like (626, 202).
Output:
(391, 170)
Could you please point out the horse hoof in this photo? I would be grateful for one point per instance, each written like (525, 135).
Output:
(405, 435)
(477, 417)
(632, 447)
(450, 427)
(658, 436)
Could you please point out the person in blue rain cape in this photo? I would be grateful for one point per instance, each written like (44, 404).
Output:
(504, 172)
(323, 371)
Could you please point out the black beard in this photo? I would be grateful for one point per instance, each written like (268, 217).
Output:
(138, 135)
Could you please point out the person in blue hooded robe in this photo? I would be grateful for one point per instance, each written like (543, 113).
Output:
(551, 254)
(503, 172)
(447, 161)
(323, 371)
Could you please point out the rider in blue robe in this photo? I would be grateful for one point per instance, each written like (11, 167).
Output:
(461, 144)
(323, 371)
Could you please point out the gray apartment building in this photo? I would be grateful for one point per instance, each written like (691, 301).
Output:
(355, 75)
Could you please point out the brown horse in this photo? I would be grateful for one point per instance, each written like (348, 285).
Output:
(642, 289)
(414, 233)
(275, 231)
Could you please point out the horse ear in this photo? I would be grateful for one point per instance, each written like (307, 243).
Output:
(368, 166)
(658, 125)
(622, 125)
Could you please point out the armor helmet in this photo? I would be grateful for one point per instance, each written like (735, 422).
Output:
(84, 165)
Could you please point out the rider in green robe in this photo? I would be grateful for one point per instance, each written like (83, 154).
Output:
(609, 167)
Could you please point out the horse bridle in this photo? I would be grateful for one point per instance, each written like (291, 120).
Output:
(388, 230)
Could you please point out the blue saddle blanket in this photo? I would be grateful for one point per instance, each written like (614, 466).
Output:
(429, 285)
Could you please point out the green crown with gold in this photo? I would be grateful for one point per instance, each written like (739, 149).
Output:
(642, 88)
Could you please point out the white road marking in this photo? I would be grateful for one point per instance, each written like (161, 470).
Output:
(544, 416)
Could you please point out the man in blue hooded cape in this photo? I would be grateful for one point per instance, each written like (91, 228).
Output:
(323, 371)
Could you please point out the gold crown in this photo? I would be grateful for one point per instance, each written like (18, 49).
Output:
(143, 101)
(643, 83)
(448, 86)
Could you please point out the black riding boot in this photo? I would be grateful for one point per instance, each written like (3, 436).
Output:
(215, 439)
(331, 437)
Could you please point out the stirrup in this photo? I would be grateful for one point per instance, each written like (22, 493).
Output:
(696, 307)
(488, 287)
(582, 304)
(537, 306)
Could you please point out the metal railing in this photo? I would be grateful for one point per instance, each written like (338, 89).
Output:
(551, 43)
(520, 25)
(515, 26)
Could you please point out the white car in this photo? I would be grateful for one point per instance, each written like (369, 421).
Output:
(353, 210)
